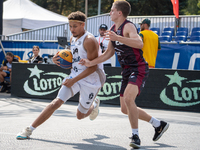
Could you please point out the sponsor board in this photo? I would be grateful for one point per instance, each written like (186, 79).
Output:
(37, 80)
(109, 93)
(164, 89)
(171, 89)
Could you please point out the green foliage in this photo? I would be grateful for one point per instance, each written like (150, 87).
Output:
(139, 7)
(65, 7)
(193, 7)
(154, 7)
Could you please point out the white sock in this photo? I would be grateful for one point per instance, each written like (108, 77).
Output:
(155, 122)
(135, 131)
(32, 128)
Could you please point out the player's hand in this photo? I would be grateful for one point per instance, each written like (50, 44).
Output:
(110, 35)
(55, 59)
(68, 82)
(85, 62)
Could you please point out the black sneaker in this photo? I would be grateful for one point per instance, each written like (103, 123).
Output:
(135, 141)
(160, 130)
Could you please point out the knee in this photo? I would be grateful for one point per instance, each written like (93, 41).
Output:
(124, 111)
(127, 100)
(80, 116)
(56, 103)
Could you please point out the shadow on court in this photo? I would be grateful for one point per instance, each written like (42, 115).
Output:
(93, 143)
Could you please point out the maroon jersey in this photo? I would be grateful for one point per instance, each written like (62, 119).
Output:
(127, 56)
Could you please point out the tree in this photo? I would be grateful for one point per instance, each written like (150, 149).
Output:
(153, 7)
(193, 7)
(139, 7)
(198, 5)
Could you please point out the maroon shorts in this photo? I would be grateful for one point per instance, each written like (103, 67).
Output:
(136, 76)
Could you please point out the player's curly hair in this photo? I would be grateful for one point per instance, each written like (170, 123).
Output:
(123, 6)
(77, 16)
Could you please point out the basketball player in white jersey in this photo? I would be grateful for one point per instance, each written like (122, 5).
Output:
(86, 80)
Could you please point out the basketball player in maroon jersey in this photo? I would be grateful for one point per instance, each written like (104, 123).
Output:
(125, 41)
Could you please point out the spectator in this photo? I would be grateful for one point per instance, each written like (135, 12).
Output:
(36, 57)
(5, 71)
(151, 43)
(103, 42)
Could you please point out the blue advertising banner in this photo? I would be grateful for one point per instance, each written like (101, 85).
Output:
(179, 56)
(171, 56)
(23, 49)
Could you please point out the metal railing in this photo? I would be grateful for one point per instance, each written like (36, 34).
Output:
(93, 23)
(2, 37)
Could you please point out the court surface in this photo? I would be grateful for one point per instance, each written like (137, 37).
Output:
(110, 130)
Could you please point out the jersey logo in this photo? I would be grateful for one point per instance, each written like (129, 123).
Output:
(75, 51)
(75, 69)
(132, 75)
(77, 59)
(118, 53)
(91, 95)
(118, 32)
(118, 43)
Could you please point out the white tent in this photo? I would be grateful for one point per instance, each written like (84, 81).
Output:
(18, 14)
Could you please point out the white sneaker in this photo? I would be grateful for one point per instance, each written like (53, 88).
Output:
(24, 134)
(95, 111)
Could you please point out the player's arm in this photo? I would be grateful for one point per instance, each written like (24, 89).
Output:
(91, 46)
(110, 51)
(130, 38)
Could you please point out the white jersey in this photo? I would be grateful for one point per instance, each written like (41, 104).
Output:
(95, 79)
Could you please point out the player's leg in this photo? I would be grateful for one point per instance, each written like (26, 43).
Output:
(44, 115)
(47, 112)
(83, 112)
(63, 95)
(142, 114)
(93, 111)
(129, 97)
(88, 103)
(160, 126)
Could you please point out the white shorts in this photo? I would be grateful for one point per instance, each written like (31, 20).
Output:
(86, 98)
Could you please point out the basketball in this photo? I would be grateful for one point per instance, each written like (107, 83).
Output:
(65, 58)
